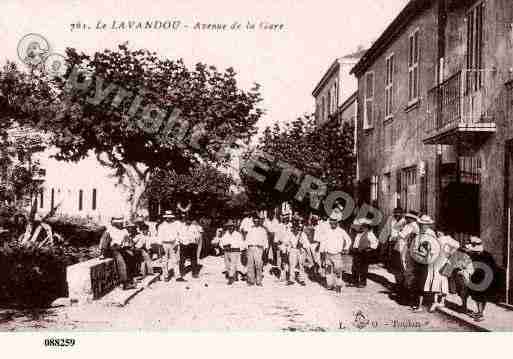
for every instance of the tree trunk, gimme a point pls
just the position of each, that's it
(137, 190)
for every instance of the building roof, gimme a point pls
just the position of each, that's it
(407, 14)
(348, 102)
(354, 57)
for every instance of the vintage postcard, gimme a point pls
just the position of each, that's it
(255, 166)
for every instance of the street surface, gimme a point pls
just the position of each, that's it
(208, 303)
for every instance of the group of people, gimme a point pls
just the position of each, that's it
(295, 247)
(427, 263)
(135, 245)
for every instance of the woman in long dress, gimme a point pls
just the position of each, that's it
(436, 283)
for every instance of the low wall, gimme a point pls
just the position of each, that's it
(91, 279)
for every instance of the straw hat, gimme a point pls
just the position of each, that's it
(168, 214)
(425, 219)
(412, 215)
(336, 216)
(475, 244)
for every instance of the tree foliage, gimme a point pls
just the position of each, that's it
(325, 152)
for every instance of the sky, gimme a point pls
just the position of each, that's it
(287, 63)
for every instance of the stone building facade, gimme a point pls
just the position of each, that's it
(434, 112)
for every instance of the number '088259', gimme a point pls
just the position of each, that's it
(59, 342)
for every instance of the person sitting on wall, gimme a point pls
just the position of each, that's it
(111, 247)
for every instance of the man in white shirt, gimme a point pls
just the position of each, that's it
(189, 237)
(167, 236)
(232, 240)
(279, 239)
(364, 243)
(272, 225)
(111, 244)
(295, 241)
(256, 242)
(220, 241)
(335, 242)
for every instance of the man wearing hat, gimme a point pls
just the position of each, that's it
(233, 242)
(335, 242)
(389, 233)
(168, 236)
(402, 268)
(295, 241)
(482, 282)
(423, 251)
(256, 242)
(189, 238)
(280, 238)
(364, 243)
(111, 244)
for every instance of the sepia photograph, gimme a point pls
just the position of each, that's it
(255, 166)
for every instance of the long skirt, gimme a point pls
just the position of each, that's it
(435, 282)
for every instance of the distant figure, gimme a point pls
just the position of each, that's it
(364, 242)
(168, 236)
(256, 241)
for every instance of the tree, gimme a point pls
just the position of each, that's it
(325, 152)
(202, 180)
(139, 114)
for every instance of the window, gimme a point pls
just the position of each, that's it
(323, 109)
(80, 200)
(374, 189)
(93, 201)
(329, 102)
(41, 198)
(474, 21)
(389, 86)
(335, 96)
(369, 101)
(413, 67)
(407, 185)
(52, 199)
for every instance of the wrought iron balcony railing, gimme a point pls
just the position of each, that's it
(458, 101)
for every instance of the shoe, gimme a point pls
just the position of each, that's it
(260, 285)
(250, 284)
(195, 276)
(167, 279)
(180, 279)
(339, 289)
(289, 282)
(417, 310)
(478, 317)
(350, 285)
(433, 307)
(302, 283)
(230, 281)
(129, 286)
(361, 285)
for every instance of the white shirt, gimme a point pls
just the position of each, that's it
(168, 232)
(272, 226)
(189, 234)
(280, 236)
(246, 224)
(373, 241)
(335, 241)
(142, 241)
(117, 236)
(234, 240)
(257, 236)
(320, 228)
(292, 240)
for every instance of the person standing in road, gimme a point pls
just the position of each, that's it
(389, 234)
(234, 242)
(335, 242)
(295, 241)
(168, 233)
(256, 242)
(280, 238)
(403, 265)
(423, 251)
(364, 242)
(189, 237)
(272, 225)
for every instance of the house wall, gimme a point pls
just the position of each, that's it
(396, 143)
(67, 179)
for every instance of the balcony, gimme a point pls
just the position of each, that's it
(457, 111)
